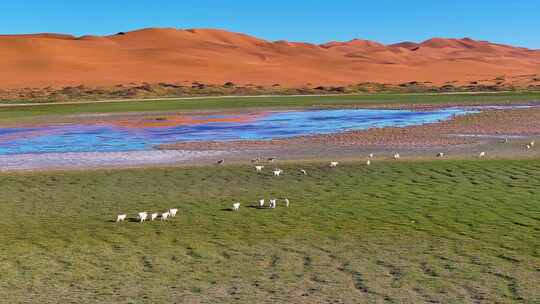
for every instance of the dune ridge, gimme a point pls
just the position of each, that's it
(216, 56)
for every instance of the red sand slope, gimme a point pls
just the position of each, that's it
(215, 56)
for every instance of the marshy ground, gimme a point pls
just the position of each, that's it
(394, 232)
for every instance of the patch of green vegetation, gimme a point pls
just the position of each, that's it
(445, 231)
(13, 113)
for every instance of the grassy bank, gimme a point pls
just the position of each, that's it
(446, 231)
(14, 112)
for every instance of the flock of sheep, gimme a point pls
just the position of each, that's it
(143, 216)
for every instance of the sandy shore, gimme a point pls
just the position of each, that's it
(82, 160)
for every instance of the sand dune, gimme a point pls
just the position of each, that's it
(216, 56)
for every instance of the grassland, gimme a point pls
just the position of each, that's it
(394, 232)
(8, 113)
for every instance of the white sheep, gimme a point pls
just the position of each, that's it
(304, 172)
(235, 206)
(259, 168)
(173, 212)
(277, 172)
(397, 156)
(153, 216)
(368, 162)
(261, 203)
(482, 154)
(142, 216)
(273, 203)
(121, 217)
(286, 202)
(333, 164)
(165, 215)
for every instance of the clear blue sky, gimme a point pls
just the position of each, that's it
(387, 21)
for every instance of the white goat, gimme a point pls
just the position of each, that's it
(482, 154)
(397, 156)
(143, 216)
(304, 172)
(261, 203)
(333, 164)
(286, 202)
(531, 143)
(370, 155)
(528, 146)
(173, 212)
(165, 215)
(121, 217)
(259, 168)
(273, 203)
(235, 206)
(153, 216)
(440, 154)
(277, 172)
(368, 162)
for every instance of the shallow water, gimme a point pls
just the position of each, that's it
(138, 134)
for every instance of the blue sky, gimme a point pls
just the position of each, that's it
(512, 22)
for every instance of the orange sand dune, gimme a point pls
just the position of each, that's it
(215, 56)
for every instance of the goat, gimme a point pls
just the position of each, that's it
(173, 212)
(165, 216)
(528, 146)
(304, 172)
(220, 162)
(277, 172)
(235, 206)
(121, 217)
(261, 203)
(153, 216)
(370, 155)
(368, 162)
(397, 156)
(273, 203)
(286, 202)
(333, 164)
(143, 216)
(259, 168)
(482, 154)
(440, 155)
(531, 144)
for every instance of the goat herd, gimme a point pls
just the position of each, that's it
(272, 203)
(143, 216)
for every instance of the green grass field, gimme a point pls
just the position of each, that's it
(407, 232)
(16, 113)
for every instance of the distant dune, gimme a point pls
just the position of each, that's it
(216, 56)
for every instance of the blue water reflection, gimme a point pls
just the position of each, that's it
(112, 136)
